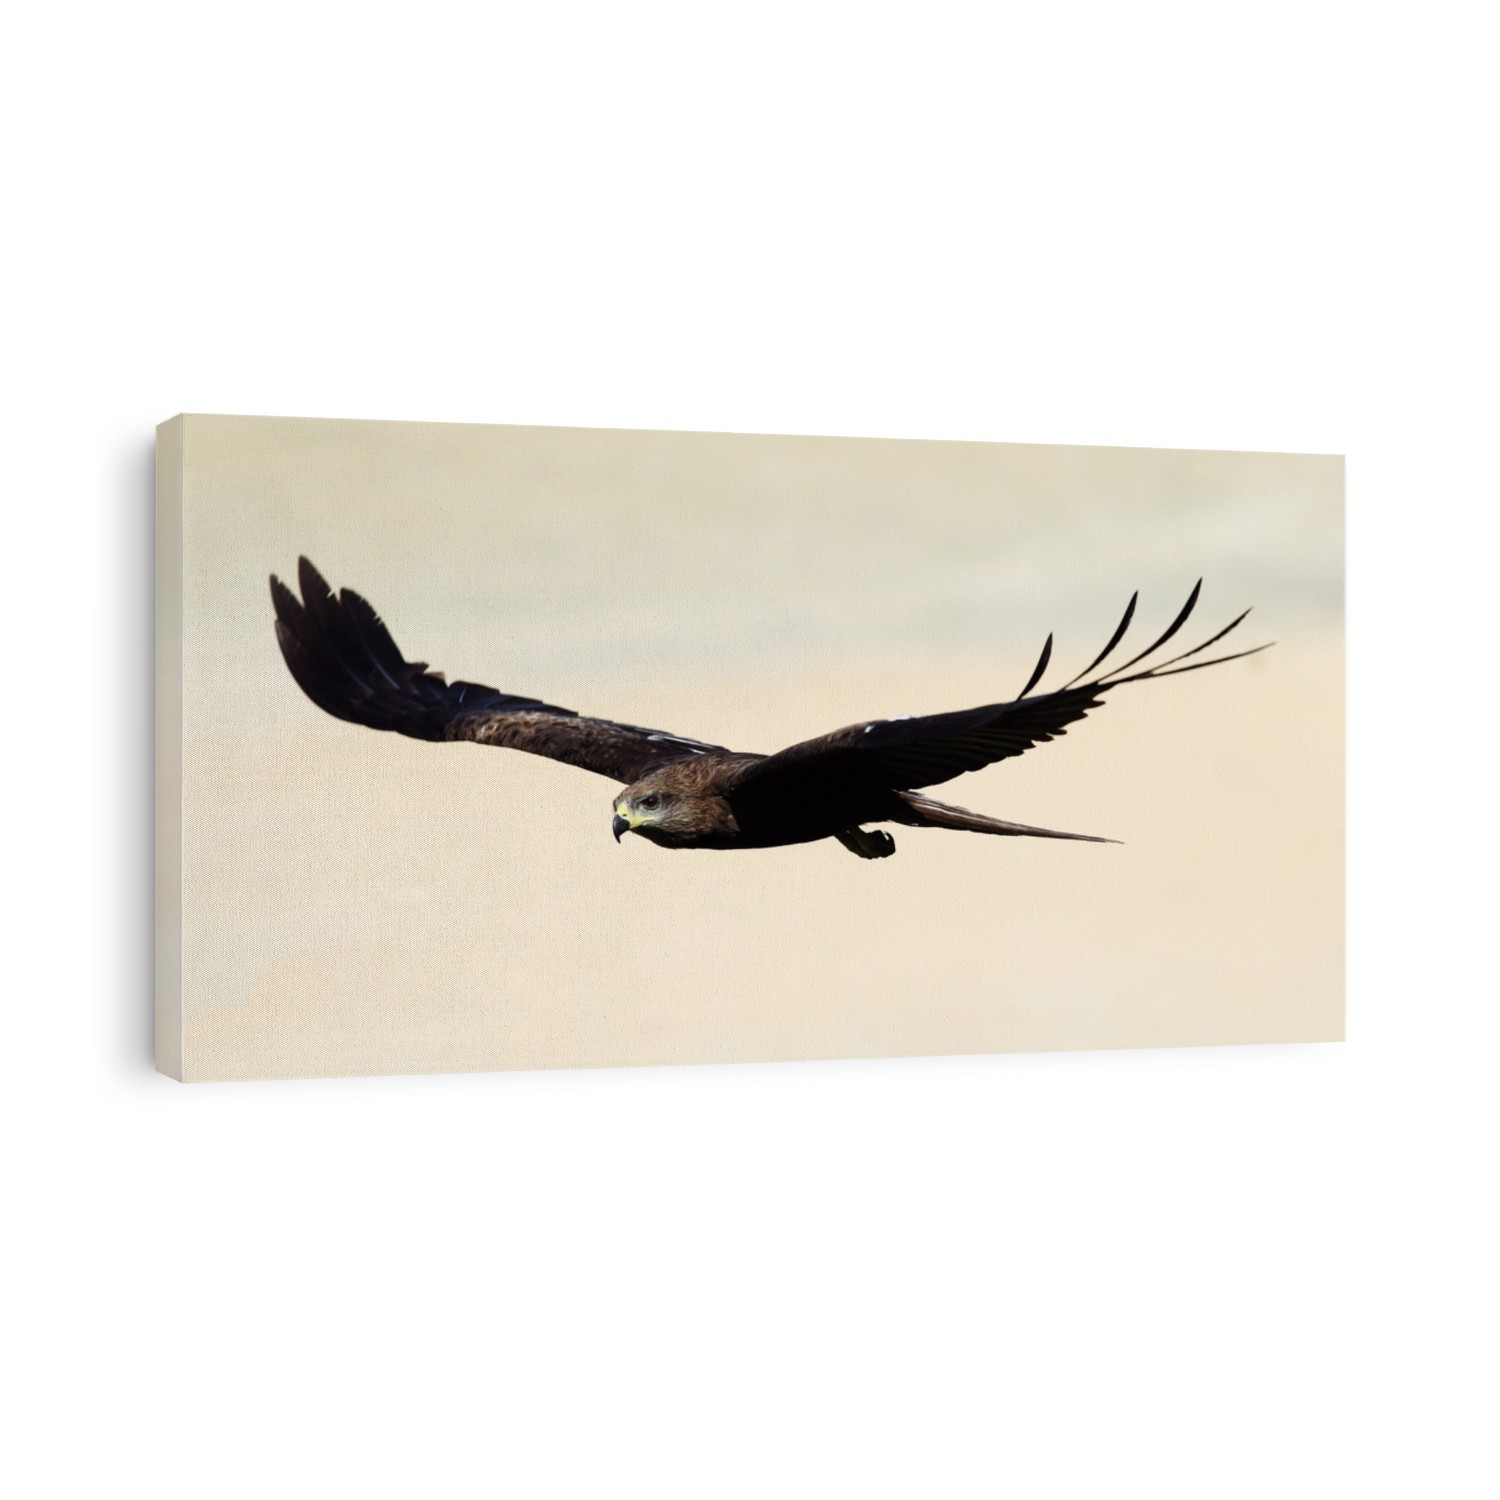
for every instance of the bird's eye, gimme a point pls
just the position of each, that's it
(649, 803)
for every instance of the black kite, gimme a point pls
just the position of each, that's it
(681, 793)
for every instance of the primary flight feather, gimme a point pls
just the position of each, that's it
(682, 793)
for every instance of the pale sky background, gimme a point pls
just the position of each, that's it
(357, 902)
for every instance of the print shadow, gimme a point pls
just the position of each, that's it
(131, 655)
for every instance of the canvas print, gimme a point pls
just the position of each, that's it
(967, 747)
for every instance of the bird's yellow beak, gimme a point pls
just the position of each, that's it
(620, 826)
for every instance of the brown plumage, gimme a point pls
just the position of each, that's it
(685, 794)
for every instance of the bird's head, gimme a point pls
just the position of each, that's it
(658, 813)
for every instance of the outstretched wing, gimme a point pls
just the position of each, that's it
(344, 659)
(903, 754)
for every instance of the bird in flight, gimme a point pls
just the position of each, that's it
(683, 794)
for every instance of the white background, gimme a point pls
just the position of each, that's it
(1238, 1272)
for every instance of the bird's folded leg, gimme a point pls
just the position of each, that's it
(868, 843)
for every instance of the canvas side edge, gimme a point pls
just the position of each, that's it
(1343, 465)
(170, 467)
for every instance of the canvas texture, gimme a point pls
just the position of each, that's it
(337, 900)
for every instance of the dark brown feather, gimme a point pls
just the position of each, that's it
(343, 657)
(904, 754)
(1036, 671)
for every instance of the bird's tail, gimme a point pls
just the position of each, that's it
(930, 813)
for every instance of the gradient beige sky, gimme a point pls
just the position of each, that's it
(356, 902)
